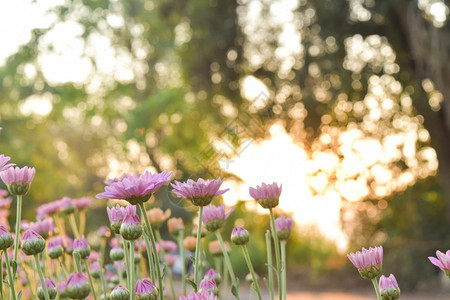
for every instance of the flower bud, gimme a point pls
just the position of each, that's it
(77, 286)
(202, 231)
(6, 239)
(175, 226)
(267, 195)
(116, 253)
(51, 288)
(66, 206)
(120, 293)
(156, 217)
(32, 243)
(116, 215)
(190, 243)
(95, 270)
(213, 274)
(389, 288)
(216, 250)
(283, 226)
(208, 285)
(239, 236)
(61, 288)
(145, 290)
(368, 262)
(54, 249)
(249, 278)
(81, 247)
(131, 228)
(104, 232)
(214, 216)
(18, 180)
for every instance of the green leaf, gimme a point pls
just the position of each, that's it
(270, 266)
(235, 290)
(192, 283)
(14, 266)
(193, 259)
(19, 295)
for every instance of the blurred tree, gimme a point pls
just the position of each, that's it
(116, 86)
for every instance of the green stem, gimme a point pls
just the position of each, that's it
(18, 218)
(132, 294)
(41, 277)
(269, 264)
(127, 262)
(1, 274)
(149, 232)
(73, 224)
(82, 221)
(151, 264)
(252, 271)
(277, 255)
(227, 262)
(182, 257)
(102, 278)
(102, 251)
(218, 268)
(197, 248)
(163, 257)
(377, 288)
(10, 277)
(283, 267)
(62, 267)
(91, 282)
(77, 259)
(225, 279)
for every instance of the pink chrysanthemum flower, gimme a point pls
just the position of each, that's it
(389, 287)
(6, 239)
(32, 243)
(47, 209)
(283, 226)
(368, 262)
(169, 246)
(240, 236)
(3, 162)
(215, 216)
(135, 188)
(82, 203)
(442, 261)
(145, 289)
(81, 247)
(77, 286)
(213, 274)
(51, 289)
(131, 228)
(18, 180)
(267, 195)
(43, 227)
(115, 216)
(208, 285)
(199, 296)
(5, 203)
(200, 193)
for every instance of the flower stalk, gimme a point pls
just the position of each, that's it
(252, 271)
(182, 256)
(131, 271)
(283, 268)
(163, 256)
(10, 277)
(269, 264)
(17, 232)
(197, 247)
(277, 254)
(149, 232)
(41, 277)
(377, 288)
(91, 282)
(228, 263)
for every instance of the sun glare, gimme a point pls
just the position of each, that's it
(279, 160)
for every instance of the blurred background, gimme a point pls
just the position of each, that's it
(344, 102)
